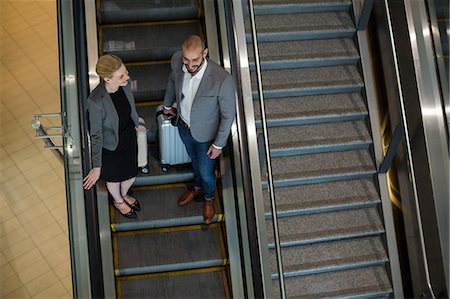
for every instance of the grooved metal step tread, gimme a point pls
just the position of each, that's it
(169, 249)
(283, 27)
(323, 164)
(315, 228)
(329, 256)
(308, 53)
(145, 85)
(310, 109)
(292, 139)
(291, 6)
(209, 283)
(122, 11)
(147, 42)
(323, 197)
(368, 282)
(160, 209)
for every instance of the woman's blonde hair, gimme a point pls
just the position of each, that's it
(107, 65)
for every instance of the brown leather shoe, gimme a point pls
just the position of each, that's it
(208, 211)
(189, 195)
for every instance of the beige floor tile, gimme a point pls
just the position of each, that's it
(38, 170)
(66, 296)
(6, 272)
(3, 261)
(62, 270)
(6, 214)
(67, 282)
(53, 245)
(9, 285)
(50, 190)
(30, 273)
(14, 140)
(9, 225)
(29, 163)
(14, 183)
(20, 293)
(12, 239)
(59, 256)
(20, 248)
(55, 200)
(50, 178)
(9, 173)
(41, 283)
(28, 259)
(39, 223)
(46, 234)
(24, 153)
(54, 291)
(39, 212)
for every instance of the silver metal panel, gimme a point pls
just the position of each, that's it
(72, 154)
(253, 148)
(211, 30)
(374, 117)
(433, 118)
(91, 41)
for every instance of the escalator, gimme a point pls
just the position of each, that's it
(328, 196)
(167, 252)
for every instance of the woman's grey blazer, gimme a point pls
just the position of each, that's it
(214, 105)
(104, 121)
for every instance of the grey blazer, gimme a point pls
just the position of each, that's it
(104, 121)
(214, 105)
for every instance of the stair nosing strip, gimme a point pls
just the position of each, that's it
(272, 64)
(315, 149)
(305, 91)
(374, 294)
(333, 268)
(328, 239)
(322, 209)
(264, 9)
(169, 267)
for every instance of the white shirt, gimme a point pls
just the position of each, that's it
(189, 90)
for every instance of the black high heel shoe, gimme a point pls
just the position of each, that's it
(131, 214)
(133, 204)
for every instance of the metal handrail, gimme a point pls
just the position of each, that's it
(267, 152)
(392, 149)
(409, 152)
(41, 133)
(365, 15)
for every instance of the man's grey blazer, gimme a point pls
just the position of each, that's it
(104, 121)
(214, 106)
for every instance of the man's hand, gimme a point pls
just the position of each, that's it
(213, 152)
(172, 111)
(91, 178)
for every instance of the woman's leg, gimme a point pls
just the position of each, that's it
(125, 186)
(119, 203)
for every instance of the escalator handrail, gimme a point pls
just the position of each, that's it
(267, 151)
(408, 149)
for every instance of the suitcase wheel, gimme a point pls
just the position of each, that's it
(165, 167)
(144, 169)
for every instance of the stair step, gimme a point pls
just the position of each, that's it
(311, 109)
(284, 27)
(308, 53)
(125, 11)
(145, 85)
(169, 249)
(329, 256)
(292, 168)
(147, 41)
(308, 199)
(315, 228)
(290, 6)
(177, 285)
(368, 282)
(160, 209)
(308, 81)
(315, 138)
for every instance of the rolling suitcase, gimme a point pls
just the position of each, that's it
(172, 150)
(142, 156)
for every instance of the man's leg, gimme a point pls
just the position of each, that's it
(206, 169)
(190, 144)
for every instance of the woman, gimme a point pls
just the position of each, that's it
(113, 121)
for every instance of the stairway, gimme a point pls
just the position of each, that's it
(329, 208)
(166, 252)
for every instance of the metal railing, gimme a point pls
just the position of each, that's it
(267, 151)
(43, 133)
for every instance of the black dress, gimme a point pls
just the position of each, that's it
(121, 164)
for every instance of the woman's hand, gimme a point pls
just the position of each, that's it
(91, 178)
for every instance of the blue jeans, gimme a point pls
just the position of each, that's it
(202, 164)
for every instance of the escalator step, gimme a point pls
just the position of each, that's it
(125, 11)
(149, 81)
(309, 81)
(308, 53)
(169, 249)
(329, 256)
(368, 282)
(314, 198)
(316, 228)
(292, 6)
(207, 283)
(311, 109)
(147, 42)
(160, 209)
(285, 27)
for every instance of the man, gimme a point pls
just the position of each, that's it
(206, 106)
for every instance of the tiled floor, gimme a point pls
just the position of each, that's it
(34, 249)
